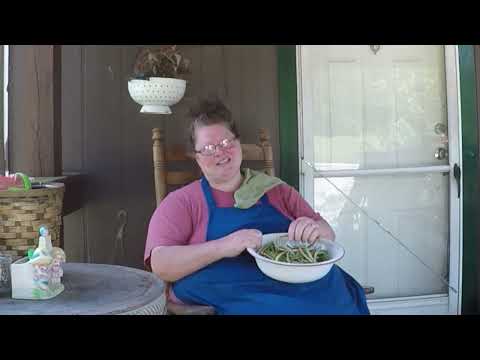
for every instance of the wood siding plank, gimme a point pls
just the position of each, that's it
(35, 110)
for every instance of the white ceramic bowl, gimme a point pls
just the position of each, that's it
(157, 94)
(297, 273)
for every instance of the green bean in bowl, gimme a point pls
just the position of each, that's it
(295, 262)
(300, 254)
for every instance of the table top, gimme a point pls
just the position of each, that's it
(96, 289)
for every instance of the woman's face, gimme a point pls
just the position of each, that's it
(224, 164)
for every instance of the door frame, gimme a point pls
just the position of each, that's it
(290, 156)
(470, 177)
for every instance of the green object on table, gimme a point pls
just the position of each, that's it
(27, 185)
(30, 253)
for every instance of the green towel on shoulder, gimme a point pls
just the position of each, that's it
(254, 186)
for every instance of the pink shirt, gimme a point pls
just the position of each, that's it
(182, 217)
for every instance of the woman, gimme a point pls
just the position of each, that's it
(198, 235)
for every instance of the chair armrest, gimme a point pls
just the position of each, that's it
(181, 309)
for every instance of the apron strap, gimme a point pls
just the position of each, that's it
(264, 200)
(207, 191)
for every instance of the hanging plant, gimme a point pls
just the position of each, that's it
(158, 79)
(166, 62)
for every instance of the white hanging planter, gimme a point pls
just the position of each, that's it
(157, 94)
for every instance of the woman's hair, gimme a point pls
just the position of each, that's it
(210, 112)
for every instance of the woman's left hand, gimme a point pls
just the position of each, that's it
(305, 229)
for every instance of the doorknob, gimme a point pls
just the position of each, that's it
(441, 153)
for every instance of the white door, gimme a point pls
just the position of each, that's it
(380, 124)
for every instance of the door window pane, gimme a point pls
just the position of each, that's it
(371, 111)
(414, 207)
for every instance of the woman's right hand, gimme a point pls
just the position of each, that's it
(234, 244)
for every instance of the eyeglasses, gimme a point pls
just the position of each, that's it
(210, 149)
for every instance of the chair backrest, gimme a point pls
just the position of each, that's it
(164, 155)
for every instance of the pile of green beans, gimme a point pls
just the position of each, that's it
(301, 254)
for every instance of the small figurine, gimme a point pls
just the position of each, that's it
(44, 244)
(38, 276)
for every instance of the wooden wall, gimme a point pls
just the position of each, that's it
(106, 137)
(34, 110)
(2, 84)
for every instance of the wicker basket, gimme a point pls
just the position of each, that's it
(23, 212)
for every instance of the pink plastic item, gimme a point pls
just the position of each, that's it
(11, 181)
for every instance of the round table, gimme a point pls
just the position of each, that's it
(96, 289)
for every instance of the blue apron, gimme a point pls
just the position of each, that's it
(235, 286)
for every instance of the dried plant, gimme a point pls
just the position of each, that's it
(165, 61)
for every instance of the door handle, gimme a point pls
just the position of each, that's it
(457, 174)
